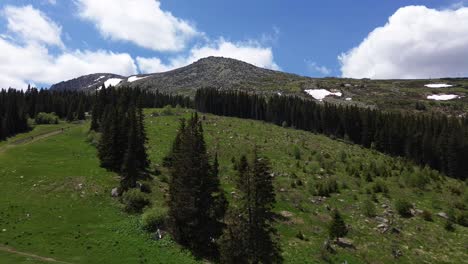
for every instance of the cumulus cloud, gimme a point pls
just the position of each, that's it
(29, 60)
(141, 22)
(32, 25)
(32, 63)
(416, 42)
(251, 52)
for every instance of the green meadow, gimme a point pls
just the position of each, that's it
(55, 200)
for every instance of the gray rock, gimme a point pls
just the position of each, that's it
(115, 192)
(345, 243)
(443, 215)
(381, 219)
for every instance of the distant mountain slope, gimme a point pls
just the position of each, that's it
(225, 73)
(86, 82)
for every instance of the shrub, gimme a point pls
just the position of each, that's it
(297, 153)
(417, 179)
(301, 236)
(134, 201)
(427, 216)
(337, 227)
(93, 138)
(46, 118)
(167, 111)
(368, 208)
(380, 187)
(326, 187)
(449, 226)
(461, 217)
(154, 218)
(403, 207)
(145, 187)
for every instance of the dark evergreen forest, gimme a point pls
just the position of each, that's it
(435, 140)
(16, 107)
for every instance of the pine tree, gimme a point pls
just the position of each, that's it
(337, 226)
(141, 155)
(195, 199)
(130, 172)
(250, 236)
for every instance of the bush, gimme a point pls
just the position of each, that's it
(403, 208)
(449, 226)
(93, 138)
(301, 236)
(326, 187)
(368, 208)
(145, 187)
(427, 216)
(46, 118)
(380, 187)
(297, 153)
(154, 218)
(417, 179)
(167, 111)
(134, 201)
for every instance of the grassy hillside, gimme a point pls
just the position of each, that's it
(55, 200)
(55, 203)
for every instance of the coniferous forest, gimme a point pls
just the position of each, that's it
(435, 140)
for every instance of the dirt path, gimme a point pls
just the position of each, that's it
(32, 139)
(45, 259)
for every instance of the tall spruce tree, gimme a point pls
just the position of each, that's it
(250, 236)
(337, 227)
(196, 202)
(130, 171)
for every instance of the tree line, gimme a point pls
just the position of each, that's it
(435, 140)
(16, 106)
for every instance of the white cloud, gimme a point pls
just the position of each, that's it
(33, 63)
(31, 25)
(142, 22)
(315, 68)
(417, 42)
(29, 61)
(251, 52)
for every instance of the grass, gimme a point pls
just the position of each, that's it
(46, 212)
(322, 158)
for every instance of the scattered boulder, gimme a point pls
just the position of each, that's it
(115, 192)
(328, 247)
(345, 243)
(381, 219)
(443, 215)
(286, 214)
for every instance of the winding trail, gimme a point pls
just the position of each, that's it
(32, 139)
(37, 257)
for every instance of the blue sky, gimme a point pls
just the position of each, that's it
(303, 37)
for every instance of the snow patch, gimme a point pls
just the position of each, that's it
(112, 82)
(438, 85)
(100, 77)
(442, 97)
(320, 94)
(349, 99)
(135, 78)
